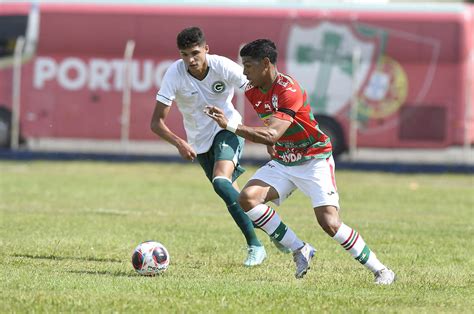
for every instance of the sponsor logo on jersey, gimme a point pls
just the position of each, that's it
(218, 87)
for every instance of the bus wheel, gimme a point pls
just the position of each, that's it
(5, 127)
(332, 129)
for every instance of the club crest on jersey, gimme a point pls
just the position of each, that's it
(275, 101)
(282, 82)
(218, 87)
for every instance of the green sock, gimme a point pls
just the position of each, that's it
(224, 188)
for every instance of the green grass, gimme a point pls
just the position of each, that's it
(67, 231)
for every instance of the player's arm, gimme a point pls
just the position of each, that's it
(159, 127)
(267, 135)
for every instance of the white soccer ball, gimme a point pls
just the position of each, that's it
(150, 258)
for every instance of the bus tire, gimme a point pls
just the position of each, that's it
(5, 127)
(333, 129)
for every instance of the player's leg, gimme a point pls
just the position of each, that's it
(225, 189)
(277, 244)
(268, 184)
(352, 241)
(227, 149)
(323, 192)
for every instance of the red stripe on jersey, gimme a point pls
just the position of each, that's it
(333, 176)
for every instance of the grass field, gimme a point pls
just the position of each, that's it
(68, 230)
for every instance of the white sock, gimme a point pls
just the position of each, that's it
(268, 220)
(351, 241)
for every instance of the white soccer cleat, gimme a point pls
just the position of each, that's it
(302, 258)
(255, 255)
(384, 277)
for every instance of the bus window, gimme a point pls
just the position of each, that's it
(11, 27)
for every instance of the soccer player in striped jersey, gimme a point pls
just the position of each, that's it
(194, 81)
(301, 159)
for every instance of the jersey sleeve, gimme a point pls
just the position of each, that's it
(169, 86)
(290, 100)
(234, 74)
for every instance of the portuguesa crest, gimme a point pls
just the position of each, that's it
(320, 58)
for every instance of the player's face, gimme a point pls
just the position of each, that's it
(255, 71)
(195, 58)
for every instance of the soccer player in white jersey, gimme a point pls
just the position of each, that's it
(195, 81)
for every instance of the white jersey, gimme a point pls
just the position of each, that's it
(193, 95)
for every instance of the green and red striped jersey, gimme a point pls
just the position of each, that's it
(286, 100)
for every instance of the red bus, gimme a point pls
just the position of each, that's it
(413, 84)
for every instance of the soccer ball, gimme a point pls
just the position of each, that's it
(150, 258)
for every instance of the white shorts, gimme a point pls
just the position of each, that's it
(315, 178)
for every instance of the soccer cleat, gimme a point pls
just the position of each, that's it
(280, 246)
(384, 277)
(302, 258)
(255, 255)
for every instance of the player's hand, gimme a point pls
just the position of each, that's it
(217, 115)
(186, 151)
(271, 150)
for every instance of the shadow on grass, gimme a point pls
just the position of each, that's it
(104, 273)
(60, 258)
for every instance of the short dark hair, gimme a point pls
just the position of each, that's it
(259, 49)
(190, 37)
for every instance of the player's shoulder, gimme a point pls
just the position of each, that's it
(286, 83)
(249, 88)
(218, 58)
(218, 61)
(177, 68)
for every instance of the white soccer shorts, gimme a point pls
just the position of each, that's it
(315, 178)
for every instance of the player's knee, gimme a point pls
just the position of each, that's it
(223, 187)
(247, 200)
(218, 185)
